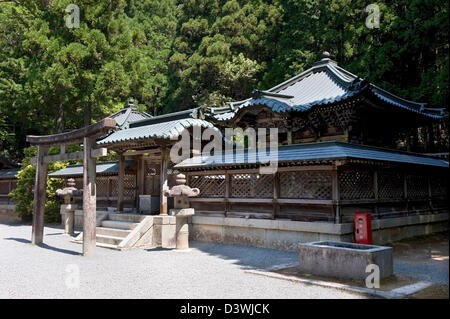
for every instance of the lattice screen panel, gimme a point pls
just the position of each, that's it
(4, 187)
(78, 182)
(114, 192)
(209, 185)
(102, 186)
(390, 185)
(151, 179)
(417, 186)
(439, 186)
(356, 184)
(129, 187)
(252, 185)
(305, 185)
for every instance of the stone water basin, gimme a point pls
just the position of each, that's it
(344, 260)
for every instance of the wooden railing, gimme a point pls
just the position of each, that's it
(318, 193)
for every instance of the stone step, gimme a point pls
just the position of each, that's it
(126, 217)
(122, 233)
(110, 240)
(119, 224)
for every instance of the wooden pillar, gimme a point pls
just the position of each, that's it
(108, 190)
(140, 175)
(89, 198)
(163, 181)
(120, 182)
(405, 192)
(336, 195)
(227, 192)
(375, 192)
(430, 194)
(276, 194)
(40, 185)
(289, 136)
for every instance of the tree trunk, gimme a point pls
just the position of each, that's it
(59, 119)
(87, 114)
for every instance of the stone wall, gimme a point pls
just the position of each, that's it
(287, 235)
(8, 215)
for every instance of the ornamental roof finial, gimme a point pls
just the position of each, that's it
(325, 55)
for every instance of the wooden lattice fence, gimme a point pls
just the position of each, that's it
(317, 194)
(390, 185)
(251, 185)
(209, 185)
(417, 186)
(356, 184)
(306, 185)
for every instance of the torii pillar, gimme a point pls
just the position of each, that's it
(87, 135)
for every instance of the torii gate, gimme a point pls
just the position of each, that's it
(87, 135)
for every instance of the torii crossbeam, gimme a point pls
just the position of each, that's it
(87, 135)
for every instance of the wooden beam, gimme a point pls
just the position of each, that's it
(120, 182)
(72, 137)
(143, 152)
(40, 185)
(324, 202)
(89, 199)
(98, 152)
(285, 201)
(163, 181)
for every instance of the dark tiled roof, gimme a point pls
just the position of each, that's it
(101, 169)
(323, 84)
(165, 126)
(127, 115)
(312, 152)
(9, 173)
(6, 162)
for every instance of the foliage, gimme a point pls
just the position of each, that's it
(23, 195)
(173, 55)
(53, 74)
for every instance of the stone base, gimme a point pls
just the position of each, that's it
(8, 215)
(164, 233)
(288, 235)
(344, 260)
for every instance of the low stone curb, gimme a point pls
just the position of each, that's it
(397, 293)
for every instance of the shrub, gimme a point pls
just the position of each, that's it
(23, 195)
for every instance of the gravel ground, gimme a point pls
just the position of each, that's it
(425, 258)
(207, 271)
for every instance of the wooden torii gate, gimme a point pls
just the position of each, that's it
(87, 135)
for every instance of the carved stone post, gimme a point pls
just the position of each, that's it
(181, 194)
(68, 208)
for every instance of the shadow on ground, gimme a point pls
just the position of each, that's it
(45, 246)
(246, 256)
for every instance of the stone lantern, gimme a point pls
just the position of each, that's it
(181, 210)
(68, 207)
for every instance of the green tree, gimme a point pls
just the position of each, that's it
(54, 74)
(214, 37)
(23, 195)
